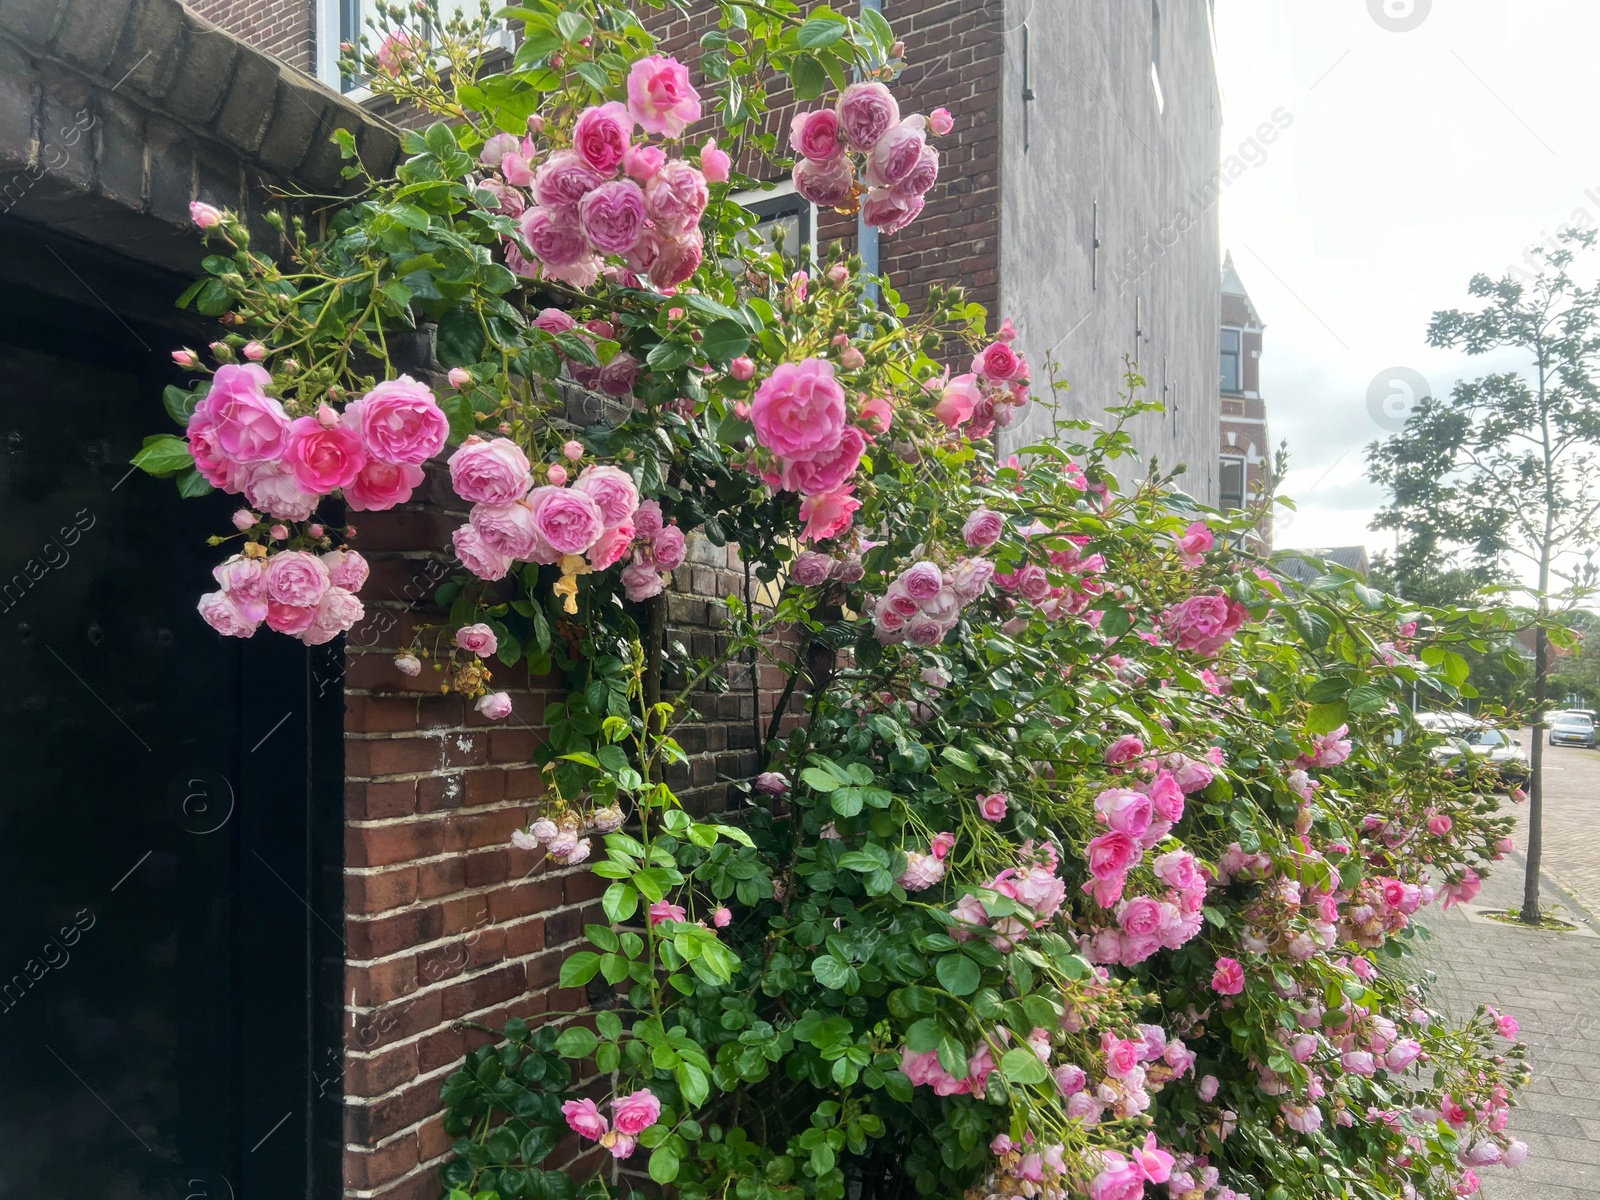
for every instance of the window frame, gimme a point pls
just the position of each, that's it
(1238, 361)
(1225, 462)
(782, 200)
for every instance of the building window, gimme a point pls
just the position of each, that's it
(1232, 363)
(1230, 484)
(781, 211)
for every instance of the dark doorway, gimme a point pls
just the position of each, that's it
(169, 799)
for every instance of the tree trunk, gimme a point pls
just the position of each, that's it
(1541, 692)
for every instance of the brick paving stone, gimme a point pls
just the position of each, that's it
(1571, 857)
(1551, 983)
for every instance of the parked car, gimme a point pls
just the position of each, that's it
(1497, 748)
(1572, 729)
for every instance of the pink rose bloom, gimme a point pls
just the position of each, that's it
(1193, 775)
(675, 197)
(1119, 1179)
(477, 639)
(663, 910)
(997, 362)
(742, 368)
(336, 612)
(613, 491)
(957, 400)
(940, 122)
(243, 578)
(922, 871)
(517, 170)
(1125, 749)
(568, 520)
(772, 783)
(478, 558)
(799, 409)
(667, 548)
(323, 457)
(983, 528)
(273, 489)
(877, 414)
(866, 112)
(647, 520)
(1111, 854)
(497, 148)
(204, 215)
(993, 806)
(496, 706)
(969, 577)
(812, 569)
(602, 135)
(715, 164)
(1228, 978)
(1125, 810)
(1193, 544)
(296, 577)
(1439, 824)
(585, 1119)
(1402, 1053)
(825, 184)
(642, 161)
(922, 581)
(490, 472)
(396, 50)
(890, 211)
(565, 178)
(509, 529)
(227, 615)
(640, 581)
(346, 569)
(660, 97)
(246, 424)
(612, 216)
(553, 320)
(942, 844)
(815, 135)
(399, 422)
(1178, 869)
(611, 547)
(828, 514)
(677, 259)
(379, 486)
(1166, 797)
(633, 1114)
(825, 470)
(555, 238)
(1204, 623)
(896, 153)
(215, 467)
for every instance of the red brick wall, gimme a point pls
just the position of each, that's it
(286, 28)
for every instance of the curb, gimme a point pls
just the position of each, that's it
(1581, 911)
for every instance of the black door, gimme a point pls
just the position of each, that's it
(168, 799)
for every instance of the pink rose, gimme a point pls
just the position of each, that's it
(922, 581)
(663, 910)
(1166, 797)
(204, 215)
(1125, 749)
(815, 135)
(612, 489)
(612, 216)
(675, 197)
(715, 164)
(214, 466)
(399, 422)
(890, 211)
(1125, 810)
(296, 577)
(824, 470)
(896, 153)
(940, 122)
(517, 170)
(812, 569)
(993, 807)
(826, 184)
(1140, 917)
(642, 161)
(509, 529)
(553, 320)
(336, 613)
(477, 639)
(667, 548)
(1204, 623)
(346, 569)
(497, 148)
(585, 1119)
(1178, 869)
(957, 400)
(1196, 540)
(323, 456)
(866, 112)
(380, 486)
(246, 424)
(647, 521)
(245, 581)
(983, 528)
(477, 557)
(567, 519)
(877, 414)
(969, 577)
(565, 178)
(640, 581)
(996, 362)
(799, 409)
(677, 260)
(660, 97)
(292, 619)
(556, 239)
(495, 706)
(227, 616)
(490, 472)
(828, 514)
(1111, 854)
(742, 368)
(611, 547)
(274, 490)
(602, 135)
(1228, 978)
(722, 918)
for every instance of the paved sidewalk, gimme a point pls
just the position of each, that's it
(1571, 856)
(1551, 983)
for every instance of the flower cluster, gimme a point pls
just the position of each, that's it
(864, 133)
(924, 602)
(606, 201)
(631, 1115)
(561, 836)
(987, 397)
(309, 596)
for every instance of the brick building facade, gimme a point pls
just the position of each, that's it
(1246, 448)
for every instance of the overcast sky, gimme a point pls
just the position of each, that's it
(1416, 158)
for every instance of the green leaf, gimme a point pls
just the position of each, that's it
(192, 484)
(180, 404)
(724, 340)
(663, 1164)
(1325, 718)
(959, 974)
(830, 972)
(1022, 1065)
(460, 339)
(163, 456)
(576, 1041)
(621, 901)
(808, 76)
(819, 780)
(579, 968)
(821, 31)
(463, 421)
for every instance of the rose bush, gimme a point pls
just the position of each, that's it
(1085, 870)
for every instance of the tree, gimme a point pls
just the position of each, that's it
(1502, 469)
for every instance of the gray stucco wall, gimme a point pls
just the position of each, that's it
(1094, 134)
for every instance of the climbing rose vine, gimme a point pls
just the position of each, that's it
(1093, 865)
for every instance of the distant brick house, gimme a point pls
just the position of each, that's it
(1246, 447)
(291, 881)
